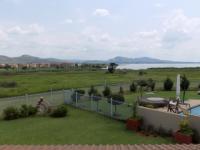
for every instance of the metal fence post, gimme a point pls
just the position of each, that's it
(76, 98)
(64, 95)
(51, 94)
(91, 99)
(111, 112)
(26, 99)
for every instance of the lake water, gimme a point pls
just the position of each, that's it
(147, 66)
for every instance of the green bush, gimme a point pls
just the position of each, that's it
(151, 84)
(60, 111)
(199, 86)
(32, 110)
(184, 127)
(92, 91)
(97, 97)
(121, 90)
(107, 92)
(141, 72)
(162, 132)
(82, 92)
(133, 87)
(117, 99)
(168, 84)
(24, 112)
(8, 84)
(11, 113)
(27, 110)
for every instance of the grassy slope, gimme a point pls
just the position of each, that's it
(43, 81)
(80, 127)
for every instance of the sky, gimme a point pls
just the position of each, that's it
(101, 29)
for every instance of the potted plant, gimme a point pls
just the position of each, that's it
(135, 122)
(185, 133)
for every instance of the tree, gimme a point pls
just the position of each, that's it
(141, 72)
(7, 67)
(151, 84)
(121, 90)
(112, 67)
(76, 95)
(185, 83)
(107, 92)
(141, 83)
(133, 87)
(24, 68)
(117, 99)
(92, 91)
(168, 84)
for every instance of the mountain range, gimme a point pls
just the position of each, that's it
(24, 59)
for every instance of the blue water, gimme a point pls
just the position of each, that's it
(195, 111)
(165, 65)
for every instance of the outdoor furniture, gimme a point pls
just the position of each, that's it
(173, 106)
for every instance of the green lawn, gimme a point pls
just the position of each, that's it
(80, 127)
(43, 81)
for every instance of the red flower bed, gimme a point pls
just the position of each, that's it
(133, 124)
(182, 138)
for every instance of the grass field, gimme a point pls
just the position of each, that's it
(80, 127)
(43, 81)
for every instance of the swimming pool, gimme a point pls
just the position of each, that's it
(195, 111)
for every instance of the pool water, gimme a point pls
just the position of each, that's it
(195, 111)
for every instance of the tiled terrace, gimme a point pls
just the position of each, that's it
(103, 147)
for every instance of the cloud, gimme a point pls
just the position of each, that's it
(176, 37)
(3, 35)
(178, 28)
(172, 39)
(81, 20)
(101, 12)
(23, 30)
(178, 21)
(159, 5)
(13, 1)
(68, 21)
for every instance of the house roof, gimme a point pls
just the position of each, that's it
(101, 147)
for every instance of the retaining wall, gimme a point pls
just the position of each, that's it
(166, 120)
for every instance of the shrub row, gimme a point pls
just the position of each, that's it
(6, 84)
(11, 113)
(60, 111)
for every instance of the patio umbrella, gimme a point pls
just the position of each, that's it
(178, 88)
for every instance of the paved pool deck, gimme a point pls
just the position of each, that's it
(192, 102)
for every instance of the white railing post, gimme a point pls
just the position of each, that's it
(111, 107)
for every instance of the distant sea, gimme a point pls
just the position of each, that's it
(165, 65)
